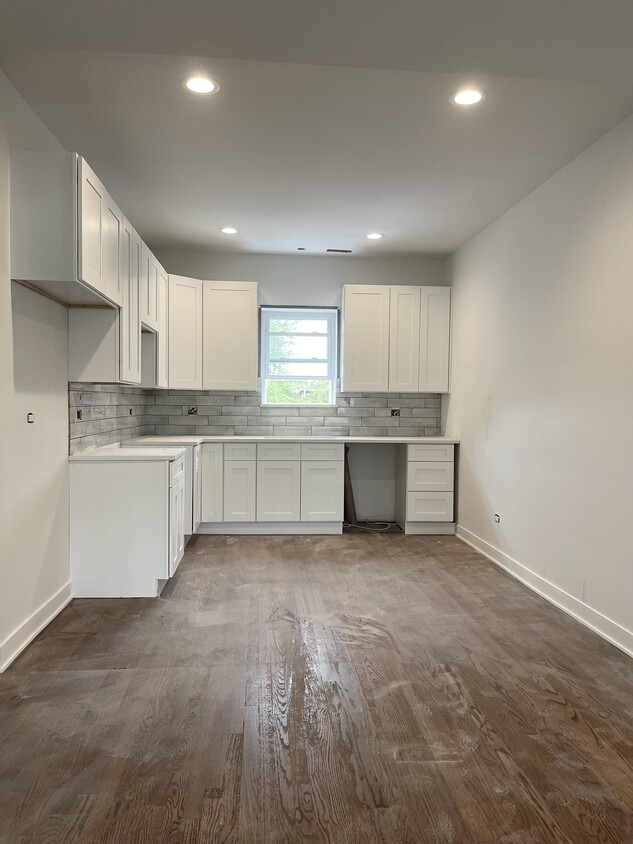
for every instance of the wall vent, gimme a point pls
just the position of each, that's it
(340, 251)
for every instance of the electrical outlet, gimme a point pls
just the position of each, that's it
(130, 411)
(395, 411)
(79, 415)
(192, 411)
(497, 518)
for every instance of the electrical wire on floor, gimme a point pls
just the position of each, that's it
(372, 527)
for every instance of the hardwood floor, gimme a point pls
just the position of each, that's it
(349, 690)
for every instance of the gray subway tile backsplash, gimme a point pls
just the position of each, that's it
(106, 418)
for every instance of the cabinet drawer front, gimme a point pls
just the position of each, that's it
(429, 506)
(278, 451)
(176, 470)
(431, 476)
(432, 451)
(239, 451)
(322, 451)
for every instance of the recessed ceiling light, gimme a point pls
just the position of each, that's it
(374, 236)
(201, 85)
(468, 96)
(228, 230)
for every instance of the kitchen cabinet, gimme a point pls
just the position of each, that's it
(230, 348)
(196, 504)
(126, 521)
(322, 483)
(240, 490)
(365, 346)
(404, 339)
(184, 352)
(212, 482)
(129, 318)
(100, 235)
(396, 339)
(435, 327)
(176, 515)
(425, 488)
(66, 230)
(278, 490)
(150, 269)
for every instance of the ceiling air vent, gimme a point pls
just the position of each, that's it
(340, 251)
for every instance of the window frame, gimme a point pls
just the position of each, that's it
(331, 315)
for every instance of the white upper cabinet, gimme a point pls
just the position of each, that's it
(230, 335)
(130, 327)
(365, 361)
(396, 339)
(404, 339)
(185, 333)
(100, 225)
(435, 331)
(150, 269)
(162, 332)
(66, 230)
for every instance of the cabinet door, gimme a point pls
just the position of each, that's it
(365, 364)
(230, 335)
(130, 328)
(111, 239)
(185, 333)
(239, 490)
(162, 332)
(435, 326)
(176, 525)
(211, 482)
(92, 197)
(149, 289)
(278, 490)
(404, 339)
(322, 490)
(197, 488)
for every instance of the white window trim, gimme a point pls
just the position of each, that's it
(329, 314)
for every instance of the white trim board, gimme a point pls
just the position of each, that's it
(23, 635)
(586, 615)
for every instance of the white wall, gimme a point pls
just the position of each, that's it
(542, 386)
(302, 279)
(34, 570)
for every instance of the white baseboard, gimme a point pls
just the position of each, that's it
(23, 635)
(591, 618)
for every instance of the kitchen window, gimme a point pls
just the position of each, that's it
(298, 356)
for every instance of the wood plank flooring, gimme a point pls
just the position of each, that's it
(344, 690)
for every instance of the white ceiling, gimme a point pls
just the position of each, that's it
(333, 119)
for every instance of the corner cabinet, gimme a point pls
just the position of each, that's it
(396, 338)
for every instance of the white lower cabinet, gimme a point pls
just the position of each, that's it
(278, 490)
(212, 482)
(176, 523)
(322, 490)
(127, 518)
(196, 504)
(425, 475)
(239, 490)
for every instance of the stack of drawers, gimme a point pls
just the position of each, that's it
(427, 475)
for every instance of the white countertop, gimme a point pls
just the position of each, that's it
(116, 454)
(194, 440)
